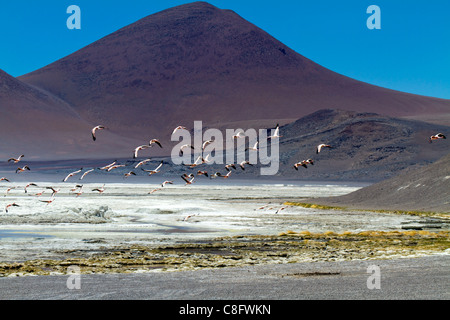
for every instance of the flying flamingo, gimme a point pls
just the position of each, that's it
(206, 159)
(227, 175)
(78, 187)
(19, 170)
(11, 205)
(199, 173)
(437, 136)
(155, 141)
(215, 175)
(54, 191)
(135, 154)
(276, 133)
(228, 166)
(197, 162)
(190, 216)
(28, 185)
(141, 163)
(15, 160)
(72, 174)
(206, 143)
(179, 128)
(99, 127)
(279, 210)
(100, 190)
(254, 148)
(153, 171)
(185, 178)
(85, 173)
(244, 163)
(185, 146)
(321, 146)
(218, 174)
(301, 163)
(39, 193)
(126, 175)
(108, 166)
(115, 167)
(166, 182)
(239, 135)
(8, 190)
(52, 198)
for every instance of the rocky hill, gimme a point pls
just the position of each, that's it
(422, 189)
(365, 146)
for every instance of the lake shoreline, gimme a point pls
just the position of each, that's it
(239, 251)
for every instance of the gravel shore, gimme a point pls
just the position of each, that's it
(420, 278)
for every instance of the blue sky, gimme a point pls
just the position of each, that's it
(411, 51)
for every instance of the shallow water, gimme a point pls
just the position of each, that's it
(126, 213)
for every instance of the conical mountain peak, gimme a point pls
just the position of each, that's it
(198, 62)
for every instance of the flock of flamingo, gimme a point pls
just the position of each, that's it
(187, 178)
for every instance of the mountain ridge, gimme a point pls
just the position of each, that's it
(199, 62)
(187, 63)
(364, 144)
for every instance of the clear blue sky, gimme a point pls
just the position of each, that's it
(411, 51)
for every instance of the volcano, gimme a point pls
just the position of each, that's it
(199, 62)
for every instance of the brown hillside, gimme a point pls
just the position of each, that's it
(422, 189)
(41, 126)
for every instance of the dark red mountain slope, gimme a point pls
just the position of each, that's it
(199, 62)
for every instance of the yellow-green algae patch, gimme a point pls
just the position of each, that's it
(286, 247)
(444, 215)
